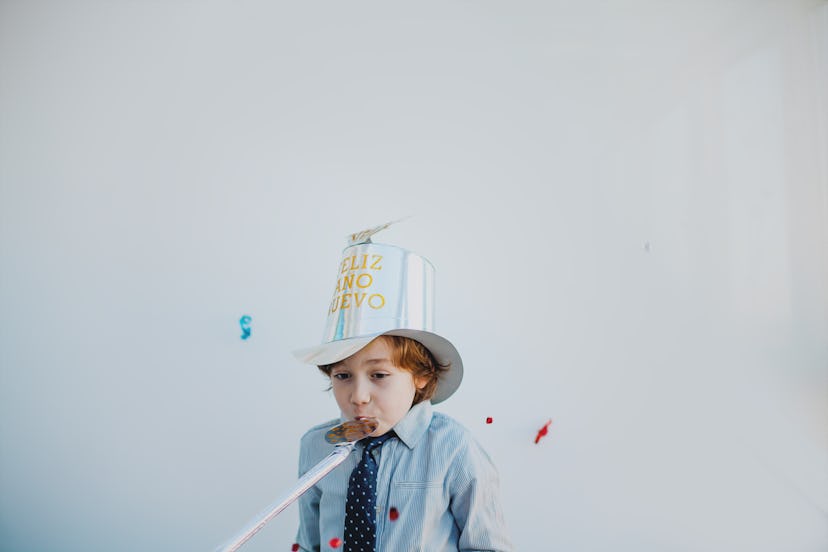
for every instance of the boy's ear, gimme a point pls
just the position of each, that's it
(420, 382)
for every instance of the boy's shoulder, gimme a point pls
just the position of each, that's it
(443, 428)
(444, 422)
(451, 439)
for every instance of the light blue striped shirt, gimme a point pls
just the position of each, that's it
(435, 475)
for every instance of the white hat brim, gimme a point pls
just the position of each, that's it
(442, 349)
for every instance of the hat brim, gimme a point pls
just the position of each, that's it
(442, 349)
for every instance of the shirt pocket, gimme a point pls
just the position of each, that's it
(423, 508)
(414, 485)
(423, 496)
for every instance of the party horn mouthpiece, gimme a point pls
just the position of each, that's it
(352, 430)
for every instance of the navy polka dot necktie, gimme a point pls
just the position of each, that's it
(360, 506)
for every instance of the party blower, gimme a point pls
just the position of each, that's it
(344, 436)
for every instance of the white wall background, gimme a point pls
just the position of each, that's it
(626, 201)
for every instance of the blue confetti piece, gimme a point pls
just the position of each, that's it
(244, 321)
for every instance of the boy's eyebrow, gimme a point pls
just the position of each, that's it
(379, 360)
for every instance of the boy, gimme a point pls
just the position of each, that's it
(419, 482)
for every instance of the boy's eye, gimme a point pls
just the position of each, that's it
(380, 375)
(341, 376)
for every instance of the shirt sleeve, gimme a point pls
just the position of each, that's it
(308, 535)
(475, 502)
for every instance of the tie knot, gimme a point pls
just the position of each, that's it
(376, 442)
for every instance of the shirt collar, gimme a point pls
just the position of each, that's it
(414, 424)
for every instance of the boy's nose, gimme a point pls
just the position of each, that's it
(361, 394)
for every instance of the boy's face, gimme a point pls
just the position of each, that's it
(367, 384)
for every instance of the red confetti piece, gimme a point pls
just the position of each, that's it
(335, 542)
(543, 431)
(295, 547)
(393, 514)
(489, 420)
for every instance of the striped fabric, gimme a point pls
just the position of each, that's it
(433, 475)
